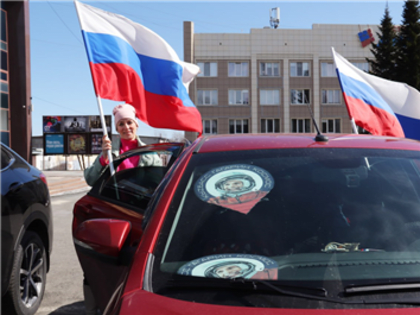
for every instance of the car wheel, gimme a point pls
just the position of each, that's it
(28, 278)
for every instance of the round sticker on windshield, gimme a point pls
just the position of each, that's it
(229, 266)
(237, 187)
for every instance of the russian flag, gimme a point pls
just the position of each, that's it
(380, 106)
(131, 63)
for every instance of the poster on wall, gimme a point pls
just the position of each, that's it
(54, 144)
(95, 124)
(77, 144)
(51, 124)
(75, 123)
(96, 143)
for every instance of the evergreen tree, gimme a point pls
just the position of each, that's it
(408, 45)
(384, 51)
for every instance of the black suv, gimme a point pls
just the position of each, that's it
(26, 234)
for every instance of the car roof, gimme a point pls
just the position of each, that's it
(238, 142)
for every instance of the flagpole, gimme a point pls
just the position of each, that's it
(104, 128)
(98, 98)
(353, 125)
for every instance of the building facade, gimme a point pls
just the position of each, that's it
(270, 79)
(15, 80)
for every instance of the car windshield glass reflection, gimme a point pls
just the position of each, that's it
(305, 215)
(135, 185)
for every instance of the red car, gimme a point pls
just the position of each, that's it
(257, 224)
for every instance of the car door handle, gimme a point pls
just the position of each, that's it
(15, 187)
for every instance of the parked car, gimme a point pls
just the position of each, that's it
(26, 234)
(257, 224)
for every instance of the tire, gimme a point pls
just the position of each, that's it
(28, 278)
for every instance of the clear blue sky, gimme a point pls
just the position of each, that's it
(61, 81)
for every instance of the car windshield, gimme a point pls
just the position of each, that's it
(331, 218)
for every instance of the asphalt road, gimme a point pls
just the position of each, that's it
(63, 294)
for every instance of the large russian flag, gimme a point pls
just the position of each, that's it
(380, 106)
(131, 63)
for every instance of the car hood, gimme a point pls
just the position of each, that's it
(143, 302)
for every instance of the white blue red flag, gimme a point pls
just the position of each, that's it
(131, 63)
(380, 106)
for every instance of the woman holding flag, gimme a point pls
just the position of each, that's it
(126, 125)
(127, 63)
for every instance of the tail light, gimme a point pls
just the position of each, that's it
(43, 178)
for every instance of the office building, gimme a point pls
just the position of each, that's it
(268, 80)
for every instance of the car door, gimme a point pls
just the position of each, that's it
(14, 207)
(123, 195)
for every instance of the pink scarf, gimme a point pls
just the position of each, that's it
(127, 145)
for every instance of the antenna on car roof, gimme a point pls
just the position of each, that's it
(319, 136)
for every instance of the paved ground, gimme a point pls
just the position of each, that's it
(65, 182)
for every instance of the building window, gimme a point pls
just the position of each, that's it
(3, 23)
(4, 100)
(208, 69)
(238, 126)
(269, 97)
(238, 97)
(327, 69)
(269, 69)
(331, 125)
(5, 138)
(331, 97)
(299, 97)
(238, 69)
(3, 60)
(361, 65)
(270, 125)
(299, 69)
(207, 97)
(4, 87)
(210, 126)
(4, 119)
(301, 125)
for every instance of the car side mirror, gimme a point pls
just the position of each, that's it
(105, 236)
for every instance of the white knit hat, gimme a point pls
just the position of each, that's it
(124, 111)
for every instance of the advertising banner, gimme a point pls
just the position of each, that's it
(74, 134)
(75, 124)
(95, 124)
(51, 124)
(96, 143)
(54, 144)
(77, 144)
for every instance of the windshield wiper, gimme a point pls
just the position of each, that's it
(381, 287)
(406, 286)
(314, 293)
(377, 288)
